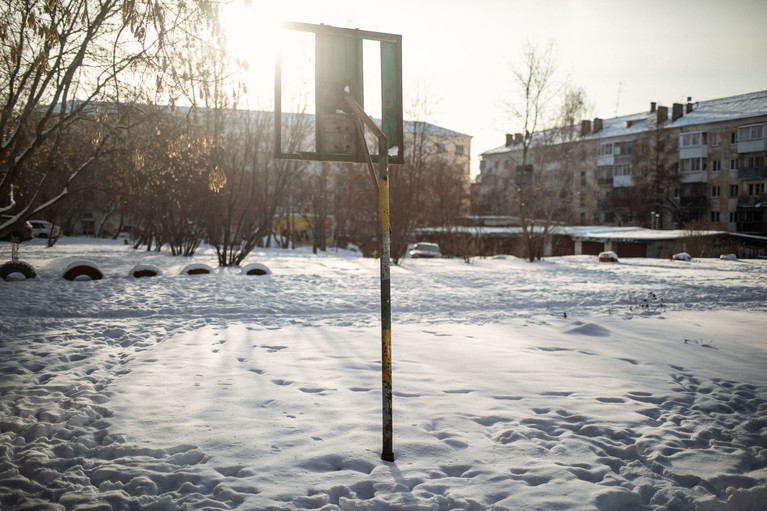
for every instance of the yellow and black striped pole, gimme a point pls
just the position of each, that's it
(382, 182)
(383, 209)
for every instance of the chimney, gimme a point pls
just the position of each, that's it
(585, 128)
(517, 138)
(597, 126)
(509, 139)
(676, 112)
(688, 108)
(652, 107)
(662, 114)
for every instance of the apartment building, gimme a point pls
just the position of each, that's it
(699, 163)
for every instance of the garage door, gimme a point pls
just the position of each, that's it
(592, 247)
(562, 245)
(632, 250)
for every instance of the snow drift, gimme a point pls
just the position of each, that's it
(553, 385)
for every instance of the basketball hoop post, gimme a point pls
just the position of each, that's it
(339, 114)
(387, 452)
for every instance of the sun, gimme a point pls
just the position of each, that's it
(256, 34)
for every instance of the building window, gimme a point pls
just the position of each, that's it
(87, 224)
(750, 162)
(716, 165)
(716, 140)
(459, 149)
(692, 164)
(624, 148)
(733, 190)
(734, 137)
(691, 139)
(715, 191)
(733, 164)
(733, 217)
(605, 149)
(756, 189)
(751, 133)
(441, 148)
(714, 216)
(622, 169)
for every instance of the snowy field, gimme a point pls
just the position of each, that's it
(524, 386)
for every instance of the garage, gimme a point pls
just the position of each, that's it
(592, 247)
(627, 249)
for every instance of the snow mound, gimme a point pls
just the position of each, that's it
(608, 257)
(590, 329)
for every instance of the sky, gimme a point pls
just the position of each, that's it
(461, 54)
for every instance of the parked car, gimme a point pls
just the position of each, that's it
(22, 230)
(424, 250)
(43, 229)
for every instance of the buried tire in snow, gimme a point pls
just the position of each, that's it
(256, 269)
(14, 267)
(79, 269)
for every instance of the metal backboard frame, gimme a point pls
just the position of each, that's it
(339, 71)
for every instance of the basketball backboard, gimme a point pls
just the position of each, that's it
(339, 70)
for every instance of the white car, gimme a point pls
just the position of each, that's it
(43, 229)
(423, 249)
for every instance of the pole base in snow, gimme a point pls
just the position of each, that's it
(387, 456)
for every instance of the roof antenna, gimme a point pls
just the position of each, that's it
(618, 101)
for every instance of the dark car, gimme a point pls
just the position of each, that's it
(22, 231)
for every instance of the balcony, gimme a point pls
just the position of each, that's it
(753, 201)
(693, 203)
(752, 146)
(752, 173)
(605, 204)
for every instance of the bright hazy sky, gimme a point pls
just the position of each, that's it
(623, 53)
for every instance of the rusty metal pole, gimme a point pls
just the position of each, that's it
(387, 453)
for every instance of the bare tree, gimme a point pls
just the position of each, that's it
(409, 183)
(255, 186)
(60, 60)
(314, 202)
(656, 205)
(355, 221)
(543, 178)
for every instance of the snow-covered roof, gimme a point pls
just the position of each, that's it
(430, 129)
(740, 107)
(407, 126)
(599, 233)
(733, 108)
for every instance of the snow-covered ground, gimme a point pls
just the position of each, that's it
(526, 386)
